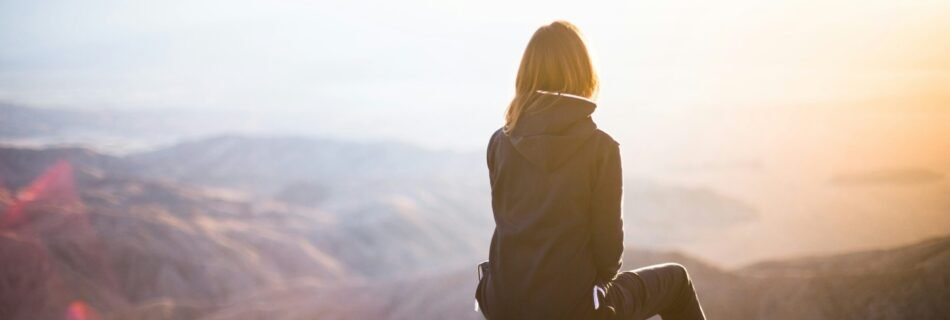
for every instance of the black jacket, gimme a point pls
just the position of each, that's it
(556, 195)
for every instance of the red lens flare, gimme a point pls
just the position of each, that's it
(79, 310)
(54, 185)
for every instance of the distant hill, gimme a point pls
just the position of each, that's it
(113, 130)
(270, 164)
(124, 242)
(19, 121)
(20, 166)
(888, 177)
(657, 213)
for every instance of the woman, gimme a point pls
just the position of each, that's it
(556, 195)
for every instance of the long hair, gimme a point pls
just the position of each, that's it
(555, 60)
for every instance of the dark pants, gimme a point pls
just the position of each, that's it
(663, 289)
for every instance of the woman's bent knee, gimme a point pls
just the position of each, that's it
(677, 269)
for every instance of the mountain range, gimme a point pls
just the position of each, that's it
(236, 227)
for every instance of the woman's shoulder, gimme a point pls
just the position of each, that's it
(496, 135)
(601, 137)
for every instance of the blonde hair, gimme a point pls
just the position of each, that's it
(555, 60)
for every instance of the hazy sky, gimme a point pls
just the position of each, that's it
(763, 101)
(439, 73)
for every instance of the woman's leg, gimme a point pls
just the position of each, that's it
(663, 289)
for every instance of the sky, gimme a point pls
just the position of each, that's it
(440, 73)
(763, 101)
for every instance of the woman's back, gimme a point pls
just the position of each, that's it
(556, 197)
(555, 180)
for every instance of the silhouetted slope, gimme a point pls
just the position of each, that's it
(888, 291)
(911, 282)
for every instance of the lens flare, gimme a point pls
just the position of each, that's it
(79, 310)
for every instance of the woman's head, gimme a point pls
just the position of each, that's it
(555, 60)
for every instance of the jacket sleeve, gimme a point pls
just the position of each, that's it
(490, 156)
(606, 220)
(490, 160)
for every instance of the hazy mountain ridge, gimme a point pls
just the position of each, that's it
(374, 247)
(151, 125)
(20, 121)
(19, 166)
(172, 246)
(380, 186)
(657, 213)
(266, 164)
(888, 176)
(416, 219)
(357, 176)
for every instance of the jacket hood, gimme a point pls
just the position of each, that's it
(553, 128)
